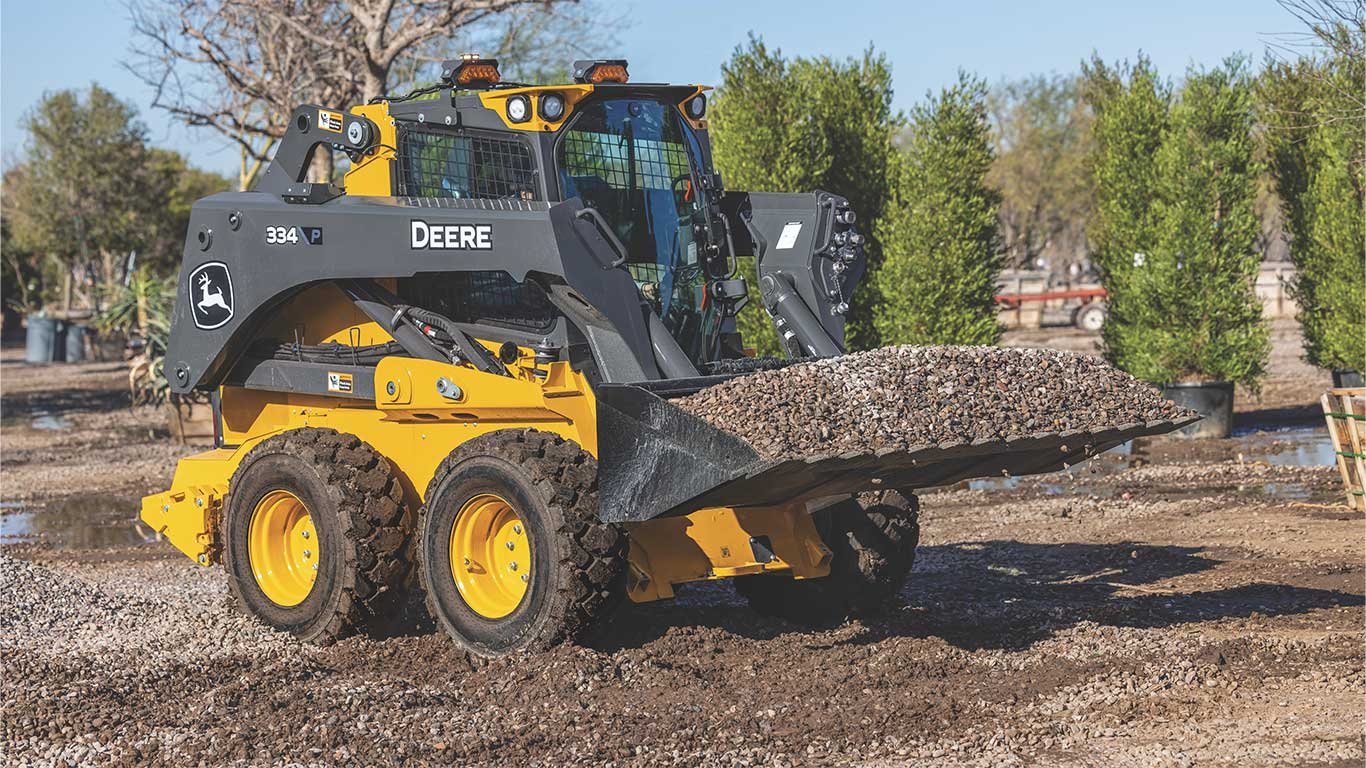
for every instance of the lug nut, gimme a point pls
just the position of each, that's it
(467, 562)
(308, 553)
(524, 578)
(512, 566)
(304, 534)
(511, 546)
(516, 529)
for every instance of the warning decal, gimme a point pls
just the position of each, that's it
(338, 382)
(330, 121)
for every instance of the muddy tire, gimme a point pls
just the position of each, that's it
(873, 539)
(358, 533)
(516, 512)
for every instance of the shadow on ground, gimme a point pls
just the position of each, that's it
(59, 400)
(1009, 595)
(1278, 418)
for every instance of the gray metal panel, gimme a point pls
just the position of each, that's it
(371, 237)
(304, 378)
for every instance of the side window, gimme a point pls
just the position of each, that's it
(438, 163)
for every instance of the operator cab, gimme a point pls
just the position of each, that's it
(636, 154)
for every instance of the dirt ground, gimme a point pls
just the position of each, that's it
(1168, 604)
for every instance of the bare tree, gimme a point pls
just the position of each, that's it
(240, 67)
(1335, 30)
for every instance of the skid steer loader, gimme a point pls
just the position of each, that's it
(451, 376)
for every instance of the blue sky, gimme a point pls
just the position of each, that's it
(47, 46)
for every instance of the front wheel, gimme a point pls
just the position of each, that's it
(873, 543)
(513, 555)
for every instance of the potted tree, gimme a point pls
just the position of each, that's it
(1176, 234)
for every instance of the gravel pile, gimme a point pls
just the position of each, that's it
(900, 397)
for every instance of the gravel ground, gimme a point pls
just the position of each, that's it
(1181, 605)
(902, 397)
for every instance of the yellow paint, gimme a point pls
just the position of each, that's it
(714, 543)
(372, 175)
(321, 314)
(416, 427)
(283, 548)
(490, 556)
(189, 514)
(496, 101)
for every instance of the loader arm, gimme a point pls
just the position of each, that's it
(809, 261)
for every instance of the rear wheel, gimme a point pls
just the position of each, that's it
(317, 541)
(513, 555)
(873, 541)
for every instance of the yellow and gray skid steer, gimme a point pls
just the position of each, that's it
(451, 376)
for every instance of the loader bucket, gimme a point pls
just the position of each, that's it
(655, 460)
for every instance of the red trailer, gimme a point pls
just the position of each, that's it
(1089, 314)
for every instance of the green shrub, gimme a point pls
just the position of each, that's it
(1175, 231)
(942, 246)
(1317, 153)
(780, 125)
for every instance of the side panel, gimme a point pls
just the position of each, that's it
(249, 251)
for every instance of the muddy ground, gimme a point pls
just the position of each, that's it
(1169, 604)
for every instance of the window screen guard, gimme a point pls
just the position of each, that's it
(463, 164)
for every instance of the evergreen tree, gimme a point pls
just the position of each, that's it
(937, 282)
(1175, 230)
(1317, 153)
(780, 125)
(1130, 105)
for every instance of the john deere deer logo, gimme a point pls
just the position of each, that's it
(211, 296)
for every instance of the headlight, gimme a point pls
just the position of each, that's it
(697, 106)
(518, 109)
(552, 107)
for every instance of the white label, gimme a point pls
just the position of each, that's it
(789, 236)
(338, 382)
(463, 237)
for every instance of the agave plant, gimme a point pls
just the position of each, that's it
(140, 310)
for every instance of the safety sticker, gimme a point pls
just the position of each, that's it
(338, 382)
(789, 236)
(330, 121)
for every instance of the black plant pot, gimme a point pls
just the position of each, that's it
(1213, 400)
(1346, 378)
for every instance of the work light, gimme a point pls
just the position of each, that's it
(552, 107)
(518, 109)
(697, 106)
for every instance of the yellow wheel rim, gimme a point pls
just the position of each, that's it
(283, 546)
(490, 556)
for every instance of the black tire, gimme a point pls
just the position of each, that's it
(873, 540)
(578, 562)
(364, 533)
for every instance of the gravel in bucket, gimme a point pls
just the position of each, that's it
(905, 396)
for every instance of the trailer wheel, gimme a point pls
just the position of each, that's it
(512, 553)
(317, 539)
(1090, 317)
(873, 541)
